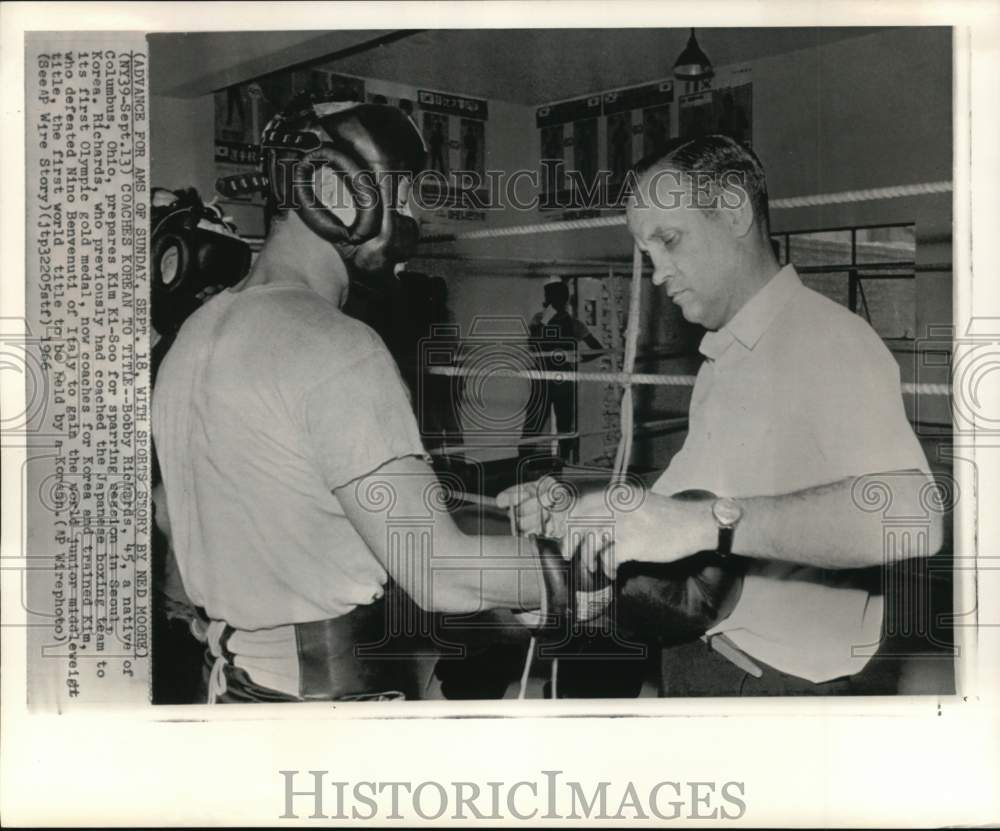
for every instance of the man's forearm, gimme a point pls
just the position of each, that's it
(826, 526)
(438, 566)
(829, 527)
(472, 573)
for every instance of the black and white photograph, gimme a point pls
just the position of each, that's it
(776, 521)
(541, 416)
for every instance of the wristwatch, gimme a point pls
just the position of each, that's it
(728, 513)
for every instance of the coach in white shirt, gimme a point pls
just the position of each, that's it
(796, 415)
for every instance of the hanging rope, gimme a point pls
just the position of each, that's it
(628, 367)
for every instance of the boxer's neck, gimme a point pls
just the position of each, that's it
(295, 255)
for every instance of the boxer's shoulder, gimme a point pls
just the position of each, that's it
(292, 314)
(290, 332)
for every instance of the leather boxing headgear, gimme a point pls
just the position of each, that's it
(373, 148)
(196, 253)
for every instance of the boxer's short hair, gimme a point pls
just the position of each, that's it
(720, 158)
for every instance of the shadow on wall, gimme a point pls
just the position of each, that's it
(408, 313)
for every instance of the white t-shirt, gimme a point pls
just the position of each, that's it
(795, 392)
(269, 399)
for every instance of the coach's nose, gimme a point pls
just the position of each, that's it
(663, 268)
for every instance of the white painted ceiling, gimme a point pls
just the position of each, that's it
(526, 66)
(186, 65)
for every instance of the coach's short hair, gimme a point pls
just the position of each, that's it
(720, 158)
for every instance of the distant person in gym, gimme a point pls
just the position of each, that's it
(556, 336)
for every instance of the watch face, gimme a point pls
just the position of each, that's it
(727, 512)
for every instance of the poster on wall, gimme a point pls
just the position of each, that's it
(727, 110)
(655, 129)
(734, 113)
(553, 161)
(581, 117)
(619, 133)
(622, 109)
(469, 115)
(603, 149)
(697, 114)
(454, 130)
(436, 135)
(585, 152)
(241, 111)
(473, 148)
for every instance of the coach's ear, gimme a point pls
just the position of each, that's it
(735, 206)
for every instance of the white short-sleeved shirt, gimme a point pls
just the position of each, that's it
(795, 392)
(269, 399)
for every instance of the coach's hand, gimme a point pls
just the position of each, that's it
(538, 507)
(611, 525)
(660, 529)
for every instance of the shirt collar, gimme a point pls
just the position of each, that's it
(751, 322)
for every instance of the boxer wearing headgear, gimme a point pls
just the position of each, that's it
(373, 150)
(293, 464)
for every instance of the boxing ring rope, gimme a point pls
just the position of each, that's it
(815, 200)
(582, 355)
(567, 375)
(594, 268)
(555, 263)
(633, 378)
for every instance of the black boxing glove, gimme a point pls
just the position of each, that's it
(552, 618)
(671, 603)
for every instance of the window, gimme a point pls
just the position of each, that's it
(822, 248)
(867, 269)
(890, 243)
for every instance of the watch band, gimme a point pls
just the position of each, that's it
(726, 534)
(727, 513)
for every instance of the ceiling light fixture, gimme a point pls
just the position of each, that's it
(693, 64)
